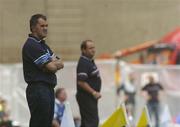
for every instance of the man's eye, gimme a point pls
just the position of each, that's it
(44, 25)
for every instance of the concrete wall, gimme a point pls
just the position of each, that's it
(112, 24)
(14, 22)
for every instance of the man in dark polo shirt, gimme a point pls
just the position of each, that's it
(40, 65)
(88, 85)
(152, 90)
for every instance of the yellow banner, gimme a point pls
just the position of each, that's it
(144, 120)
(117, 119)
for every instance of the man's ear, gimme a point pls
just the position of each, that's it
(33, 29)
(83, 51)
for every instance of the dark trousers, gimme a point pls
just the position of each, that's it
(153, 108)
(40, 98)
(89, 111)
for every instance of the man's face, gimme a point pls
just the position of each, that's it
(151, 79)
(90, 49)
(40, 30)
(62, 96)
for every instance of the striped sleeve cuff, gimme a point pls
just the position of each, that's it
(82, 76)
(43, 59)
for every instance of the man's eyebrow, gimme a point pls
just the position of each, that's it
(44, 25)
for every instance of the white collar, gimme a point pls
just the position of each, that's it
(86, 58)
(35, 39)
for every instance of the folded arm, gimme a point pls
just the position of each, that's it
(54, 65)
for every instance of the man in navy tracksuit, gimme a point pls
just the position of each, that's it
(40, 65)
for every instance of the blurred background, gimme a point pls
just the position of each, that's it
(113, 25)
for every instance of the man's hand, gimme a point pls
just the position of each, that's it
(58, 62)
(53, 66)
(96, 95)
(146, 95)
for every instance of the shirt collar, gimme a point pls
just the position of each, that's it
(58, 102)
(35, 38)
(85, 57)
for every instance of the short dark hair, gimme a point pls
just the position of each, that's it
(34, 20)
(58, 91)
(83, 44)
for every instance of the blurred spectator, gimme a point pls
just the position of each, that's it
(4, 114)
(151, 92)
(1, 108)
(59, 107)
(6, 122)
(129, 89)
(61, 97)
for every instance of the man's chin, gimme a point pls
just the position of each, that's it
(91, 57)
(44, 36)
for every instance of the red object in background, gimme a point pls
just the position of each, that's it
(134, 49)
(173, 38)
